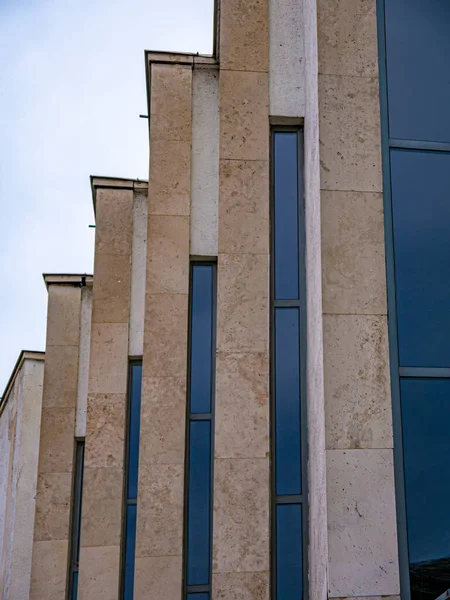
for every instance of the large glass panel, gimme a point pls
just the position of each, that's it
(199, 497)
(134, 429)
(130, 544)
(75, 585)
(421, 218)
(425, 418)
(287, 401)
(201, 596)
(289, 552)
(201, 338)
(286, 241)
(418, 51)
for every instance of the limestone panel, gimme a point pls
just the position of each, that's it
(60, 377)
(163, 414)
(353, 258)
(83, 361)
(102, 507)
(244, 206)
(243, 303)
(165, 337)
(357, 385)
(361, 523)
(168, 255)
(52, 520)
(49, 570)
(347, 31)
(171, 102)
(241, 586)
(108, 367)
(158, 577)
(242, 405)
(56, 445)
(138, 275)
(112, 288)
(170, 177)
(350, 133)
(63, 316)
(113, 232)
(244, 36)
(241, 515)
(244, 110)
(160, 513)
(99, 573)
(105, 431)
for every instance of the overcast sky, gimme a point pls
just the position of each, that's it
(72, 86)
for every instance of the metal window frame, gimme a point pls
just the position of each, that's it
(75, 517)
(302, 498)
(397, 372)
(191, 589)
(125, 500)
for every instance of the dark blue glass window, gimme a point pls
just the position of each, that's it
(421, 219)
(418, 69)
(76, 520)
(289, 552)
(286, 234)
(425, 407)
(287, 401)
(132, 474)
(201, 338)
(199, 498)
(200, 428)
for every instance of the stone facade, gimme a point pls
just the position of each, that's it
(305, 63)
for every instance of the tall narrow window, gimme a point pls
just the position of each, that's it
(414, 45)
(131, 480)
(287, 369)
(76, 520)
(200, 431)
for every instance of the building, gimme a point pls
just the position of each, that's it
(250, 398)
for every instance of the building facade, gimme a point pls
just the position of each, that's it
(249, 398)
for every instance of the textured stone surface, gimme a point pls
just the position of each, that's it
(49, 570)
(357, 385)
(101, 521)
(57, 435)
(362, 523)
(241, 586)
(244, 123)
(105, 431)
(158, 577)
(63, 317)
(243, 313)
(348, 37)
(244, 36)
(54, 492)
(163, 414)
(171, 102)
(242, 405)
(83, 361)
(241, 515)
(138, 275)
(168, 255)
(113, 215)
(350, 154)
(170, 177)
(112, 288)
(244, 207)
(60, 377)
(99, 573)
(160, 512)
(108, 367)
(354, 275)
(165, 340)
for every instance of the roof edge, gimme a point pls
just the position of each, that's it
(99, 182)
(75, 279)
(23, 356)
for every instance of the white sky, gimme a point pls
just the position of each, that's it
(72, 86)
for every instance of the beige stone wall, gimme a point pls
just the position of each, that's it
(101, 523)
(54, 486)
(360, 480)
(159, 543)
(241, 559)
